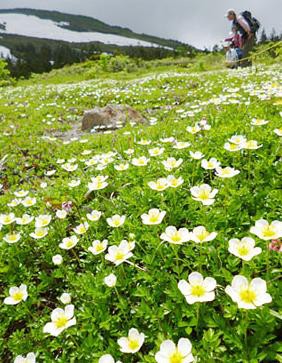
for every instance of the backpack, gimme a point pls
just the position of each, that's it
(253, 22)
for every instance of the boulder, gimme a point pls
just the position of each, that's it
(110, 117)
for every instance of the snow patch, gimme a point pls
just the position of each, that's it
(32, 26)
(5, 52)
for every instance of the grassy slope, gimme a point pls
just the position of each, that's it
(149, 301)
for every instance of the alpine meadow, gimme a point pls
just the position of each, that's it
(147, 241)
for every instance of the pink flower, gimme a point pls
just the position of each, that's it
(67, 206)
(275, 245)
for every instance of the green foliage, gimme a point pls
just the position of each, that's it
(36, 117)
(5, 78)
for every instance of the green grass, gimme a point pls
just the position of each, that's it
(34, 110)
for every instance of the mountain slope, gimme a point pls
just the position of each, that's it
(76, 24)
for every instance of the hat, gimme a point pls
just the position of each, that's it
(230, 11)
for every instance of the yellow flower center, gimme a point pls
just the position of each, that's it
(176, 357)
(119, 255)
(198, 290)
(173, 182)
(204, 194)
(99, 247)
(243, 250)
(18, 295)
(154, 218)
(133, 344)
(203, 235)
(268, 231)
(13, 237)
(247, 296)
(69, 243)
(61, 321)
(176, 237)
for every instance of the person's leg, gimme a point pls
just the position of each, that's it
(247, 48)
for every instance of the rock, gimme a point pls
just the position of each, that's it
(110, 117)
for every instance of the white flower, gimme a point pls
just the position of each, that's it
(12, 237)
(167, 140)
(258, 122)
(81, 228)
(121, 166)
(17, 294)
(244, 248)
(69, 167)
(94, 216)
(60, 320)
(57, 259)
(172, 163)
(98, 247)
(98, 183)
(226, 172)
(25, 219)
(74, 183)
(154, 216)
(39, 233)
(156, 151)
(204, 194)
(278, 132)
(213, 163)
(181, 145)
(116, 220)
(65, 298)
(132, 343)
(196, 155)
(197, 289)
(107, 358)
(29, 358)
(160, 185)
(14, 203)
(237, 139)
(110, 280)
(200, 234)
(251, 145)
(68, 242)
(21, 193)
(141, 161)
(119, 254)
(170, 353)
(232, 147)
(42, 221)
(193, 129)
(6, 219)
(144, 142)
(267, 231)
(174, 236)
(174, 182)
(61, 214)
(248, 295)
(28, 202)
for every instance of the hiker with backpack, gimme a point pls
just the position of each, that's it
(247, 27)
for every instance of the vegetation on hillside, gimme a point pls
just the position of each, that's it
(118, 229)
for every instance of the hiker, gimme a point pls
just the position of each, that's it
(236, 41)
(247, 27)
(231, 55)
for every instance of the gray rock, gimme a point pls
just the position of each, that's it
(110, 117)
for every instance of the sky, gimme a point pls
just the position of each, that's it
(197, 22)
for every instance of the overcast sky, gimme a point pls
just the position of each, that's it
(198, 22)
